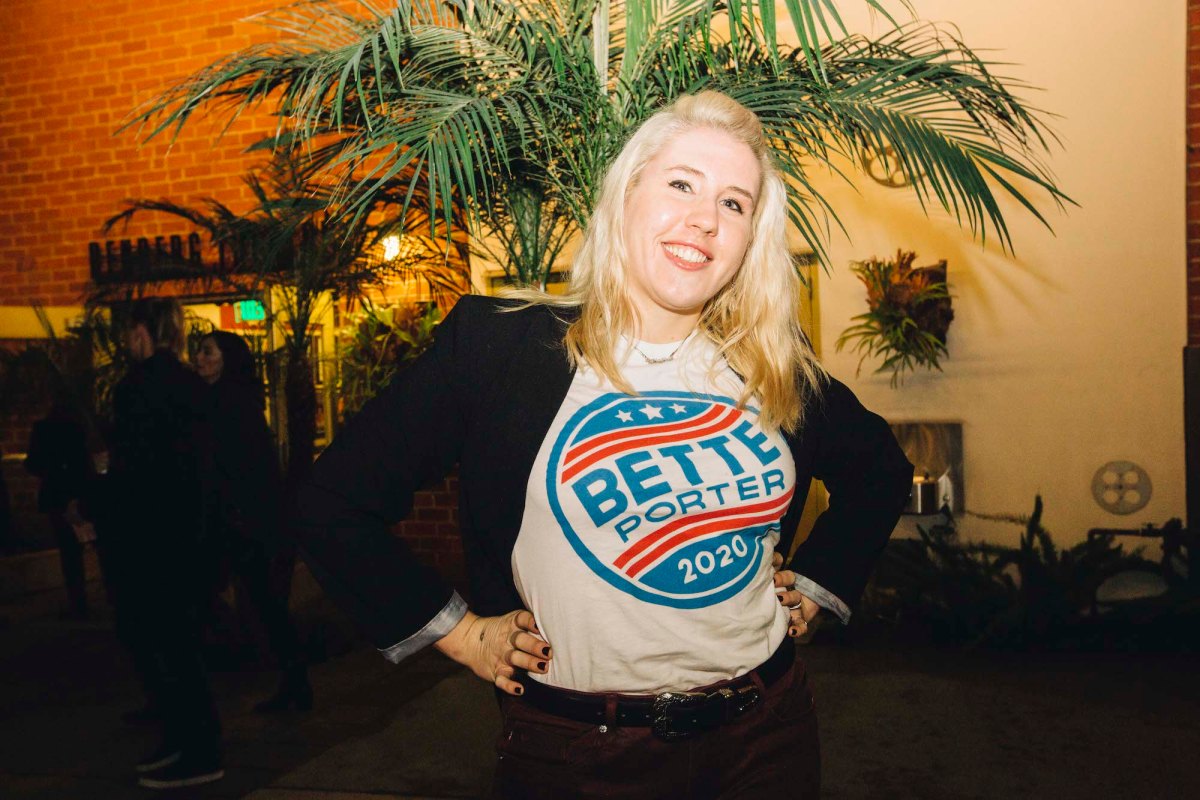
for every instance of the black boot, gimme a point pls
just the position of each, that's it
(294, 692)
(145, 715)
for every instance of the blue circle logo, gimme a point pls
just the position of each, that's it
(667, 496)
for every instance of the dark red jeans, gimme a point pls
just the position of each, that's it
(771, 751)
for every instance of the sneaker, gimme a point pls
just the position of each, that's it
(164, 756)
(183, 772)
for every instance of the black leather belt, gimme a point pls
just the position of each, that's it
(671, 715)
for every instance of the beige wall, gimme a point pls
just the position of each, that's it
(1067, 355)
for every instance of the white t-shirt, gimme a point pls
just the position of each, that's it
(650, 522)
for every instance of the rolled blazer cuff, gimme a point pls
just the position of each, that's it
(435, 629)
(822, 597)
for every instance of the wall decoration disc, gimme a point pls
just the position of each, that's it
(1121, 487)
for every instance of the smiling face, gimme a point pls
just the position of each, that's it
(209, 361)
(688, 222)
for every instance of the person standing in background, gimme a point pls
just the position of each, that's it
(58, 457)
(160, 496)
(6, 532)
(249, 491)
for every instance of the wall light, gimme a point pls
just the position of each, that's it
(391, 247)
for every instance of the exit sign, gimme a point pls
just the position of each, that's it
(250, 311)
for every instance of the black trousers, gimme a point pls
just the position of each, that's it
(259, 573)
(70, 557)
(159, 598)
(190, 720)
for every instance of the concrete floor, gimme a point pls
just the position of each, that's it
(897, 722)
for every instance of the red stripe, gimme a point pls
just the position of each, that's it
(627, 433)
(683, 522)
(612, 449)
(695, 533)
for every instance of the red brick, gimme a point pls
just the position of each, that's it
(415, 528)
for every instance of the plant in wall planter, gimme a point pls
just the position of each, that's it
(907, 318)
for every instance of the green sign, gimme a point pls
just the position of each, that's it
(251, 311)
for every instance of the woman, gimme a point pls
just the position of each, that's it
(630, 455)
(248, 489)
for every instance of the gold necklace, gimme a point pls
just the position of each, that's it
(664, 359)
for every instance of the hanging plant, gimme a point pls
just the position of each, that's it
(908, 315)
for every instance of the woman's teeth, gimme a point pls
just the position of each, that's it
(689, 254)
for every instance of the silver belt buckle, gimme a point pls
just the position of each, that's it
(666, 709)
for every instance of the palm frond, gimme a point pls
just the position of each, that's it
(445, 104)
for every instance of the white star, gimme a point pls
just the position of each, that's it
(678, 408)
(651, 412)
(624, 416)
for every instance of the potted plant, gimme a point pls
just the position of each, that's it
(907, 318)
(508, 112)
(376, 344)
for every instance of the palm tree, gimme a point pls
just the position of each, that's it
(293, 247)
(507, 111)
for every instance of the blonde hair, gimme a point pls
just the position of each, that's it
(753, 320)
(163, 320)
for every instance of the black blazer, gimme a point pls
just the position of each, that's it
(484, 397)
(157, 494)
(247, 484)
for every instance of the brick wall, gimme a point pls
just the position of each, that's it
(70, 73)
(1193, 172)
(432, 531)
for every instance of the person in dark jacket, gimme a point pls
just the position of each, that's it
(58, 456)
(6, 527)
(631, 456)
(249, 491)
(159, 500)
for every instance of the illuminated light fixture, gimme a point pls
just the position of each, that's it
(251, 311)
(391, 248)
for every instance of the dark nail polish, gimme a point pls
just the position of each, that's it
(791, 631)
(542, 665)
(520, 690)
(546, 651)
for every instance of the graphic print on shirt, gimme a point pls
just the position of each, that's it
(667, 495)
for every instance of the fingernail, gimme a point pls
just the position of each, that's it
(793, 631)
(546, 652)
(542, 666)
(520, 690)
